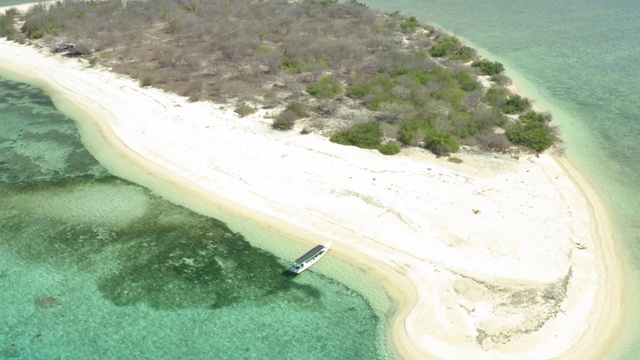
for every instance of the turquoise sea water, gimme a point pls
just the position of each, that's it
(579, 59)
(13, 2)
(93, 266)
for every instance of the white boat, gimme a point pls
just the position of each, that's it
(305, 261)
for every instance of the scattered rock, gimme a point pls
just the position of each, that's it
(264, 68)
(48, 302)
(10, 352)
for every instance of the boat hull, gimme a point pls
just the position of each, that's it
(310, 258)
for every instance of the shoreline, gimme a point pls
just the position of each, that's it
(411, 264)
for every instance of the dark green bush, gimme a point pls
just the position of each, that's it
(442, 143)
(146, 80)
(445, 47)
(496, 96)
(410, 24)
(421, 77)
(488, 67)
(465, 54)
(533, 132)
(409, 133)
(7, 23)
(327, 88)
(390, 148)
(366, 135)
(36, 27)
(532, 117)
(291, 64)
(412, 130)
(516, 104)
(465, 81)
(324, 2)
(359, 90)
(530, 135)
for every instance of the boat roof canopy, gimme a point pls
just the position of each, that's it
(309, 254)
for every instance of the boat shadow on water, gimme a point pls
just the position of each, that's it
(288, 274)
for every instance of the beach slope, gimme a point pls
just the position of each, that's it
(497, 257)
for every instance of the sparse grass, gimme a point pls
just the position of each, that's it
(244, 110)
(147, 80)
(285, 120)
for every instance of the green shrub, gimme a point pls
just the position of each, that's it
(297, 108)
(530, 135)
(285, 120)
(36, 29)
(365, 135)
(421, 77)
(324, 2)
(465, 81)
(408, 133)
(451, 95)
(499, 79)
(410, 24)
(442, 143)
(496, 96)
(488, 67)
(291, 64)
(465, 54)
(390, 148)
(359, 90)
(7, 23)
(533, 132)
(532, 117)
(445, 47)
(327, 88)
(516, 104)
(412, 130)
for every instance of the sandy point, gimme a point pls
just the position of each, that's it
(496, 257)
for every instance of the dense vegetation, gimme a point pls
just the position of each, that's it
(8, 23)
(532, 131)
(367, 78)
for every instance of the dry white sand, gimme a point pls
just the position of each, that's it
(494, 258)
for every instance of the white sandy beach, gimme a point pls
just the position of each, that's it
(498, 257)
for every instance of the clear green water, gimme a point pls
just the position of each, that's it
(93, 266)
(12, 2)
(579, 59)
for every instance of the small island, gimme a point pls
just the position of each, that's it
(503, 251)
(364, 78)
